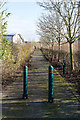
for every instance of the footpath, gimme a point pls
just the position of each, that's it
(65, 104)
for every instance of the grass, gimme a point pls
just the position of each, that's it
(67, 85)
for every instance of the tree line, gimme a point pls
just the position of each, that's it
(60, 21)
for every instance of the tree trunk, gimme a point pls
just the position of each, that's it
(49, 52)
(71, 57)
(58, 50)
(52, 51)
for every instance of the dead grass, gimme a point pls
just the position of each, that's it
(71, 77)
(20, 57)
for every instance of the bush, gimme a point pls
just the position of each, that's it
(14, 57)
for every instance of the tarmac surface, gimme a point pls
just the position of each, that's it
(65, 104)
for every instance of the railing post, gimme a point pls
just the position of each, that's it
(64, 66)
(50, 92)
(25, 87)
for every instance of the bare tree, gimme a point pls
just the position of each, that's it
(46, 25)
(68, 11)
(45, 30)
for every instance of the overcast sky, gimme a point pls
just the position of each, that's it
(23, 18)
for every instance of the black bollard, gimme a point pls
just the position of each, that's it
(64, 66)
(50, 96)
(25, 87)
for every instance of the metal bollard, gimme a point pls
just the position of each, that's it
(25, 87)
(64, 66)
(50, 96)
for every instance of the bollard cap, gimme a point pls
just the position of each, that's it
(25, 67)
(50, 67)
(64, 60)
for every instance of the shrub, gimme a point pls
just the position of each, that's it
(14, 56)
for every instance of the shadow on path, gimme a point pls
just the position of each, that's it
(65, 105)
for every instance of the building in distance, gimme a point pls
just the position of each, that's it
(14, 38)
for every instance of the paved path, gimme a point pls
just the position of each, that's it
(0, 88)
(65, 104)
